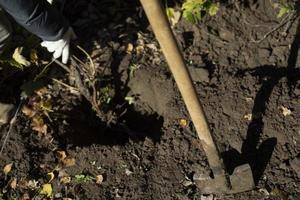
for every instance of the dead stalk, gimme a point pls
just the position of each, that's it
(11, 124)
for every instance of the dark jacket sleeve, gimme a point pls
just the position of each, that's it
(38, 17)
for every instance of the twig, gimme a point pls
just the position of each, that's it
(66, 85)
(11, 124)
(282, 23)
(90, 59)
(62, 65)
(43, 71)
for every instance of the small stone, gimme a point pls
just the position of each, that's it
(6, 113)
(207, 197)
(199, 74)
(128, 172)
(295, 164)
(283, 166)
(187, 183)
(226, 35)
(264, 53)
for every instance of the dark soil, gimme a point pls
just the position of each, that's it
(142, 150)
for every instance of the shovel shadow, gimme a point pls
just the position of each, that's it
(259, 155)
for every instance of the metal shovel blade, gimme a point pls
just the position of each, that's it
(241, 180)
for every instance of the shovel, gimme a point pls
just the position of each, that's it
(242, 179)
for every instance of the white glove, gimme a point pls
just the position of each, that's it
(61, 48)
(50, 1)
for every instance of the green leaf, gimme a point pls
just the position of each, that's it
(19, 58)
(170, 12)
(284, 9)
(46, 190)
(213, 9)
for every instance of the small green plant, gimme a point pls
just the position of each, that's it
(194, 10)
(81, 178)
(132, 69)
(284, 8)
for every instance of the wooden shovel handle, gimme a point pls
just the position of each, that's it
(170, 49)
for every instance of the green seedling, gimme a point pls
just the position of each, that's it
(81, 178)
(131, 100)
(284, 8)
(132, 69)
(105, 96)
(194, 10)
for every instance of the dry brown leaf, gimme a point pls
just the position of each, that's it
(65, 180)
(51, 175)
(99, 179)
(13, 183)
(38, 125)
(285, 111)
(26, 196)
(34, 57)
(61, 155)
(29, 112)
(7, 168)
(40, 92)
(68, 162)
(23, 184)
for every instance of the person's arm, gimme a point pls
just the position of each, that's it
(38, 17)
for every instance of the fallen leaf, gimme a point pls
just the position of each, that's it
(139, 50)
(65, 180)
(19, 58)
(152, 47)
(33, 184)
(173, 16)
(99, 179)
(207, 197)
(38, 125)
(248, 117)
(130, 100)
(29, 112)
(46, 190)
(278, 193)
(61, 155)
(34, 57)
(128, 172)
(51, 175)
(13, 183)
(23, 184)
(187, 183)
(68, 162)
(264, 191)
(285, 111)
(183, 122)
(40, 92)
(129, 48)
(7, 168)
(26, 196)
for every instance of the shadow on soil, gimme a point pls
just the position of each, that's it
(269, 77)
(85, 128)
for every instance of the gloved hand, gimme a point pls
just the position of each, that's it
(61, 48)
(50, 1)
